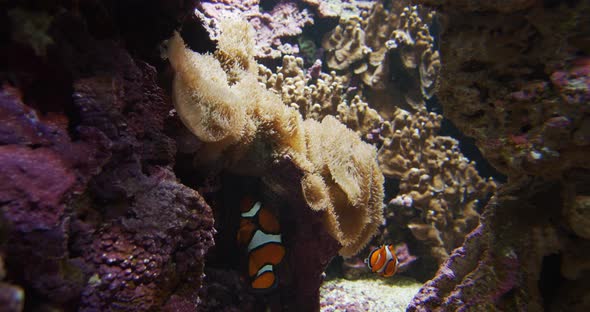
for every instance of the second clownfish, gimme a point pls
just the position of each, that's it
(383, 261)
(260, 235)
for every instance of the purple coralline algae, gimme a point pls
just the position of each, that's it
(285, 20)
(463, 281)
(523, 97)
(89, 198)
(506, 262)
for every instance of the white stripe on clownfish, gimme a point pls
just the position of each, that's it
(388, 257)
(260, 238)
(380, 259)
(259, 233)
(253, 211)
(265, 268)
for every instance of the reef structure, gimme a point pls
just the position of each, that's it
(525, 101)
(340, 8)
(246, 129)
(390, 50)
(439, 187)
(285, 20)
(391, 117)
(92, 215)
(385, 66)
(440, 204)
(518, 257)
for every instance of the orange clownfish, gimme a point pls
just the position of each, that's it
(260, 233)
(383, 261)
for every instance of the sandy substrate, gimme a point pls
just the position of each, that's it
(368, 295)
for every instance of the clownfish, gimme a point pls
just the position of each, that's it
(259, 233)
(383, 261)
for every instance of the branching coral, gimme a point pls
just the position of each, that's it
(247, 129)
(442, 185)
(319, 96)
(314, 97)
(391, 51)
(435, 178)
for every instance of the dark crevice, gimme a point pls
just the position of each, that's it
(435, 31)
(526, 128)
(470, 150)
(319, 29)
(550, 279)
(196, 37)
(391, 188)
(557, 3)
(473, 66)
(475, 115)
(267, 5)
(399, 75)
(483, 94)
(226, 209)
(466, 144)
(310, 42)
(335, 268)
